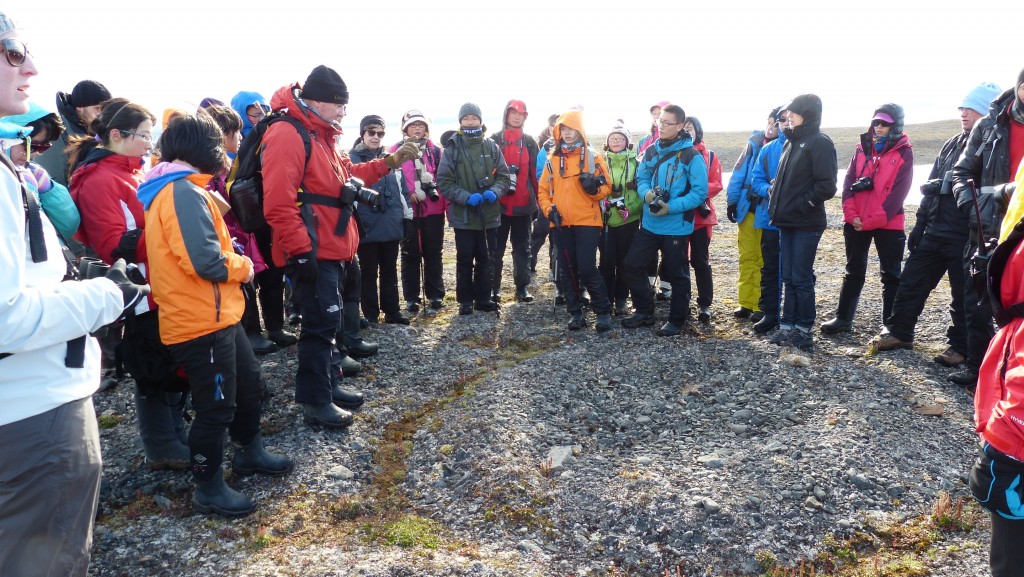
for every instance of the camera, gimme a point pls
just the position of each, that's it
(483, 183)
(704, 210)
(592, 183)
(661, 197)
(430, 189)
(618, 203)
(862, 183)
(354, 191)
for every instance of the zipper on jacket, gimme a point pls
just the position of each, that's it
(216, 299)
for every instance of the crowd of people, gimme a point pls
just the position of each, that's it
(157, 274)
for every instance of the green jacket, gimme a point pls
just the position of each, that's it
(623, 168)
(472, 166)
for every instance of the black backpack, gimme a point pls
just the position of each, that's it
(245, 181)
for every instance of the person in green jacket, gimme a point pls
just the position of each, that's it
(621, 213)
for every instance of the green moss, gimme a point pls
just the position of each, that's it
(109, 421)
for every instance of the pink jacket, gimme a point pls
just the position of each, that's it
(431, 159)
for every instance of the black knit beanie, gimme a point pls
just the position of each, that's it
(325, 85)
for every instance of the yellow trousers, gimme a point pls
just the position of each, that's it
(748, 241)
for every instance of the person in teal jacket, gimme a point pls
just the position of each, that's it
(621, 215)
(672, 180)
(251, 106)
(764, 170)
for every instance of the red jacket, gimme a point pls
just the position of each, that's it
(714, 186)
(284, 157)
(104, 190)
(892, 172)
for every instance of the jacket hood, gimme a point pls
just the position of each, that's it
(287, 97)
(896, 112)
(35, 112)
(809, 107)
(69, 114)
(574, 120)
(149, 189)
(698, 130)
(243, 100)
(518, 105)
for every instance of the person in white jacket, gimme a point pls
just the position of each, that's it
(49, 368)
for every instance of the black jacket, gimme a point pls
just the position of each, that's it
(808, 171)
(938, 215)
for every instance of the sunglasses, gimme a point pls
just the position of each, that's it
(15, 51)
(880, 122)
(377, 133)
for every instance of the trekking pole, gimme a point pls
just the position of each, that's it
(490, 257)
(556, 219)
(977, 214)
(421, 258)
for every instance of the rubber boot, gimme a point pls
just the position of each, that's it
(254, 458)
(160, 425)
(357, 347)
(214, 496)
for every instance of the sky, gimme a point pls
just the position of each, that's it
(728, 63)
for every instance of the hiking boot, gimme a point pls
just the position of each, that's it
(967, 378)
(362, 349)
(742, 313)
(214, 496)
(396, 319)
(282, 338)
(836, 326)
(802, 340)
(294, 318)
(578, 321)
(261, 345)
(486, 306)
(413, 307)
(523, 296)
(436, 304)
(604, 323)
(704, 315)
(621, 310)
(466, 308)
(887, 342)
(670, 329)
(559, 299)
(350, 367)
(782, 337)
(496, 298)
(950, 358)
(326, 415)
(254, 458)
(756, 316)
(637, 320)
(346, 398)
(664, 295)
(768, 322)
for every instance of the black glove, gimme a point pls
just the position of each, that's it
(730, 211)
(132, 293)
(305, 267)
(554, 217)
(590, 183)
(915, 236)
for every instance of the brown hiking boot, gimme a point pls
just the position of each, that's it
(887, 342)
(950, 358)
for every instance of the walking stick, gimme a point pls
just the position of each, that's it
(556, 219)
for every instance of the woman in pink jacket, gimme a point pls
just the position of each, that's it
(704, 218)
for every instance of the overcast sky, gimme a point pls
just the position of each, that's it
(728, 63)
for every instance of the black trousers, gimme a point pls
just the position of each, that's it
(270, 285)
(978, 318)
(379, 260)
(516, 228)
(227, 388)
(422, 246)
(614, 248)
(771, 289)
(700, 260)
(541, 228)
(472, 264)
(922, 272)
(675, 269)
(889, 246)
(576, 250)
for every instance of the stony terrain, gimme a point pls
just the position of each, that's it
(509, 446)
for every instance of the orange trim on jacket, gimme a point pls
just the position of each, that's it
(560, 182)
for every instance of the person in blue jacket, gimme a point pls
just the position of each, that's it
(741, 204)
(764, 170)
(672, 179)
(252, 107)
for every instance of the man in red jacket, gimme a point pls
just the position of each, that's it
(309, 206)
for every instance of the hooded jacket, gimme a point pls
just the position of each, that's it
(560, 182)
(55, 160)
(623, 167)
(382, 223)
(244, 100)
(195, 274)
(300, 228)
(687, 184)
(742, 174)
(465, 165)
(714, 176)
(937, 214)
(807, 172)
(431, 159)
(891, 171)
(766, 167)
(520, 150)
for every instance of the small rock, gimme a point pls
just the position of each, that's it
(341, 472)
(710, 506)
(644, 460)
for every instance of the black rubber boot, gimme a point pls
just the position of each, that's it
(159, 426)
(254, 458)
(214, 496)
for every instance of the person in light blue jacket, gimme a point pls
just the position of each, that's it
(673, 181)
(251, 106)
(762, 175)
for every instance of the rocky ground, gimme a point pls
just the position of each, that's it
(509, 446)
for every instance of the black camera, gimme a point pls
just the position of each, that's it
(430, 189)
(661, 197)
(591, 183)
(512, 179)
(483, 183)
(704, 210)
(618, 203)
(354, 191)
(862, 183)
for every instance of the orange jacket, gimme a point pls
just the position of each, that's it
(560, 182)
(196, 283)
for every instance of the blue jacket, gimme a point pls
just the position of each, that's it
(687, 185)
(243, 100)
(742, 174)
(384, 223)
(542, 156)
(764, 171)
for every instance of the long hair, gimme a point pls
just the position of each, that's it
(115, 114)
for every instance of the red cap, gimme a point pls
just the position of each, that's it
(517, 105)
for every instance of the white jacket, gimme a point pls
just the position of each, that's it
(39, 314)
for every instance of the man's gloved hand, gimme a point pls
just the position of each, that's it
(306, 269)
(731, 212)
(915, 236)
(475, 199)
(132, 293)
(649, 197)
(590, 183)
(489, 196)
(554, 216)
(659, 209)
(408, 151)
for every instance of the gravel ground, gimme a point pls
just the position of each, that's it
(506, 445)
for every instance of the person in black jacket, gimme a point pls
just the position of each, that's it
(990, 161)
(937, 245)
(806, 178)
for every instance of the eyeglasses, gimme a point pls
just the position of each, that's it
(147, 138)
(377, 133)
(15, 51)
(880, 122)
(663, 123)
(41, 146)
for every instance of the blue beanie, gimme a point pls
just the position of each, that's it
(981, 97)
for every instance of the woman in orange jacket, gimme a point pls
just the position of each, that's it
(575, 178)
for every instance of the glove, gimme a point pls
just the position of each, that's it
(730, 211)
(419, 196)
(408, 151)
(660, 209)
(43, 182)
(132, 293)
(489, 196)
(475, 199)
(649, 197)
(305, 267)
(1007, 193)
(915, 236)
(554, 216)
(590, 183)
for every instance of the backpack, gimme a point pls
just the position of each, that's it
(245, 181)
